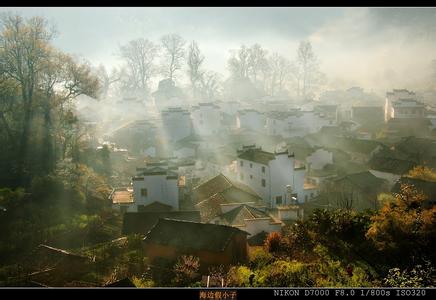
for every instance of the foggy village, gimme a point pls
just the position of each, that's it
(217, 147)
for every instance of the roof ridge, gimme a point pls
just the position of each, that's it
(249, 211)
(227, 179)
(202, 223)
(217, 193)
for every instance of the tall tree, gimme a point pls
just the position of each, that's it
(107, 80)
(139, 56)
(24, 45)
(36, 80)
(238, 63)
(307, 72)
(210, 85)
(257, 60)
(195, 61)
(280, 72)
(174, 54)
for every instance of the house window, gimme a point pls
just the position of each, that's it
(251, 165)
(241, 176)
(241, 163)
(263, 169)
(251, 176)
(144, 192)
(263, 182)
(279, 200)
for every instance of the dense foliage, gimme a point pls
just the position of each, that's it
(391, 247)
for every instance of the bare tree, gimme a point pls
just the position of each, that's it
(280, 72)
(257, 59)
(250, 65)
(238, 63)
(139, 56)
(307, 69)
(195, 60)
(210, 85)
(107, 80)
(174, 54)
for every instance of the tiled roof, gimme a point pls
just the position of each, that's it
(156, 170)
(343, 143)
(258, 239)
(328, 170)
(211, 207)
(212, 186)
(191, 235)
(391, 165)
(219, 184)
(282, 115)
(256, 155)
(238, 215)
(142, 222)
(365, 181)
(122, 197)
(61, 252)
(155, 207)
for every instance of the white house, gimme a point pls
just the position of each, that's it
(309, 122)
(206, 119)
(403, 104)
(431, 116)
(295, 123)
(176, 124)
(250, 119)
(278, 122)
(229, 107)
(156, 183)
(274, 176)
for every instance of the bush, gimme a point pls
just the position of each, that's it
(285, 274)
(239, 276)
(272, 242)
(186, 270)
(11, 198)
(419, 276)
(260, 258)
(162, 271)
(142, 282)
(46, 188)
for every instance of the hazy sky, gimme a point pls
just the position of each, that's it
(375, 48)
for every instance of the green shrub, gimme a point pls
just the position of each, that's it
(142, 282)
(239, 276)
(260, 258)
(284, 274)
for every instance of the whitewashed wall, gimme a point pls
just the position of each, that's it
(159, 189)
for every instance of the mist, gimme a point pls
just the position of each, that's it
(377, 48)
